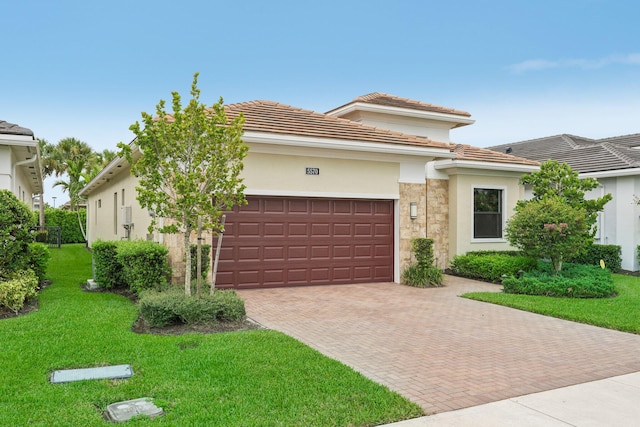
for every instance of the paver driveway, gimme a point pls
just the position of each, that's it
(439, 350)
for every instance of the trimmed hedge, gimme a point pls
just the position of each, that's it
(611, 254)
(173, 307)
(137, 264)
(573, 281)
(70, 231)
(144, 264)
(15, 237)
(491, 266)
(39, 257)
(15, 291)
(107, 268)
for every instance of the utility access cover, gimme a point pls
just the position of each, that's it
(123, 411)
(100, 373)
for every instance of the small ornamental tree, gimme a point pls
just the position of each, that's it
(550, 228)
(558, 179)
(189, 166)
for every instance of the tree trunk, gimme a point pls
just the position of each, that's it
(199, 259)
(215, 263)
(42, 224)
(187, 255)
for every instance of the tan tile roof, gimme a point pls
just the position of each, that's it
(384, 99)
(468, 152)
(275, 118)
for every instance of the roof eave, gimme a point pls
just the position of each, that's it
(474, 164)
(347, 145)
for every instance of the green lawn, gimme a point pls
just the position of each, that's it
(621, 312)
(252, 378)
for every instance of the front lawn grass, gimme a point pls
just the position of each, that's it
(251, 378)
(620, 312)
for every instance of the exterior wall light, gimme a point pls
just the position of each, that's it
(413, 210)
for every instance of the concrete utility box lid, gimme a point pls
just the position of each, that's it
(103, 372)
(124, 411)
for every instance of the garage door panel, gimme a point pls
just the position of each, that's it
(248, 229)
(362, 251)
(276, 241)
(321, 252)
(273, 253)
(363, 230)
(274, 229)
(297, 252)
(271, 206)
(298, 229)
(342, 251)
(341, 230)
(320, 230)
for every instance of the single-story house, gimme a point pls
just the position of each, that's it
(615, 163)
(337, 197)
(20, 170)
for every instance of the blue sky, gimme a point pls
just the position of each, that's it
(523, 69)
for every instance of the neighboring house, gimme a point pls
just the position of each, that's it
(20, 170)
(336, 198)
(615, 163)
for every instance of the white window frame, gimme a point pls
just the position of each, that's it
(504, 213)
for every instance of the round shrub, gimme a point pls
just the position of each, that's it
(172, 306)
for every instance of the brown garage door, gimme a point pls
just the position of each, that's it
(277, 241)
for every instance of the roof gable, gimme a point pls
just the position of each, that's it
(387, 100)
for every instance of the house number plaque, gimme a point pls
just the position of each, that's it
(312, 171)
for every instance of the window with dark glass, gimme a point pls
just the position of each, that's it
(487, 213)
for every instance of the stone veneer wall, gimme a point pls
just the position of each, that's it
(411, 228)
(438, 219)
(175, 244)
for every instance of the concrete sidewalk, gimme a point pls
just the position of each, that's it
(610, 402)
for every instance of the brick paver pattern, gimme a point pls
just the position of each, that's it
(439, 350)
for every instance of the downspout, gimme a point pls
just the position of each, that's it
(13, 172)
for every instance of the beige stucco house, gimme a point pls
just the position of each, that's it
(337, 197)
(20, 170)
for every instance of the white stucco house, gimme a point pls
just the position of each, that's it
(615, 163)
(337, 197)
(20, 170)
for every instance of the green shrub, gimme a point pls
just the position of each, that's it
(422, 273)
(173, 306)
(15, 291)
(70, 231)
(420, 277)
(206, 260)
(491, 267)
(15, 221)
(574, 281)
(107, 267)
(144, 264)
(610, 254)
(39, 257)
(495, 252)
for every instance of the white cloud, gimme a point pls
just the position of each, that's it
(543, 64)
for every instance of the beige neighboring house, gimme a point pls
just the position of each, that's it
(336, 198)
(20, 170)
